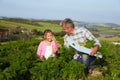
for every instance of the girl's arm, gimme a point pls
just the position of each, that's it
(55, 47)
(39, 51)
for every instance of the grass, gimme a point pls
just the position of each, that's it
(48, 25)
(108, 30)
(110, 39)
(53, 27)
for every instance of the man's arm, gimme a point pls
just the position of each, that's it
(97, 44)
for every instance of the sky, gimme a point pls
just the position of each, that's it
(98, 11)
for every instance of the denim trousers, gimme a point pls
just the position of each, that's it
(86, 60)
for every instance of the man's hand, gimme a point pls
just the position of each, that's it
(94, 50)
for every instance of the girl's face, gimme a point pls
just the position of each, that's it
(48, 36)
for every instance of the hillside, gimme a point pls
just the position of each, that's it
(97, 25)
(35, 26)
(39, 23)
(19, 28)
(29, 24)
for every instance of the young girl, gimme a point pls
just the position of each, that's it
(48, 47)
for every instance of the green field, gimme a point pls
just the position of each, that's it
(49, 25)
(109, 30)
(44, 25)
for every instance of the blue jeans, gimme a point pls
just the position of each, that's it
(86, 60)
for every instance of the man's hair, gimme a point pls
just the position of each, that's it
(47, 31)
(68, 22)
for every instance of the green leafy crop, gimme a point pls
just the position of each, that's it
(18, 61)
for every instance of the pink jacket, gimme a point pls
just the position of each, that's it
(42, 48)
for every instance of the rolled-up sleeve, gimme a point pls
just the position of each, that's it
(66, 42)
(90, 36)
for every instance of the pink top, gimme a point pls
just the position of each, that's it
(42, 48)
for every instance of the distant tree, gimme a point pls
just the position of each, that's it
(17, 30)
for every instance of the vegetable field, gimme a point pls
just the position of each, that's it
(18, 61)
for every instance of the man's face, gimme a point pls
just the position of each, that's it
(67, 30)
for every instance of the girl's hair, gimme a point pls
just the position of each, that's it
(47, 31)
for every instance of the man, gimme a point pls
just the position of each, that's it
(79, 34)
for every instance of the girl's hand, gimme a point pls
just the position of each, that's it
(42, 59)
(55, 50)
(58, 45)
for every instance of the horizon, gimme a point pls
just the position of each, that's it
(58, 19)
